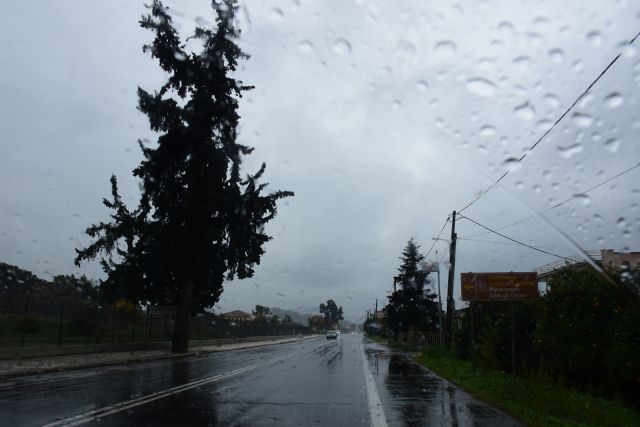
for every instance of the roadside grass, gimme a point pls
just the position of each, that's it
(536, 401)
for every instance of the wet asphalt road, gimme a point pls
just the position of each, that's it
(311, 382)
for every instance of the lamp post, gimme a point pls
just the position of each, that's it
(449, 291)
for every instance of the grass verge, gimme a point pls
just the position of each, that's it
(534, 401)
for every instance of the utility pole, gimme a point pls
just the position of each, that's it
(439, 300)
(452, 272)
(376, 312)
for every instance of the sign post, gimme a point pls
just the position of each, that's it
(512, 286)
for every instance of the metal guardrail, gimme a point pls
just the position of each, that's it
(547, 269)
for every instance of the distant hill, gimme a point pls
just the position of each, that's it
(299, 318)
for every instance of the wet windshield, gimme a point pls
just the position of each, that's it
(198, 197)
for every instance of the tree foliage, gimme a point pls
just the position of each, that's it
(261, 311)
(199, 222)
(412, 306)
(332, 314)
(583, 331)
(316, 323)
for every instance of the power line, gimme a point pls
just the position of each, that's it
(487, 241)
(552, 126)
(491, 242)
(436, 241)
(575, 196)
(519, 242)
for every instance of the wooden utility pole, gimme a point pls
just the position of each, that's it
(452, 272)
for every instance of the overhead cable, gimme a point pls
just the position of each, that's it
(519, 242)
(557, 205)
(436, 239)
(582, 95)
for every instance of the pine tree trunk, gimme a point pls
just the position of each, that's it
(183, 314)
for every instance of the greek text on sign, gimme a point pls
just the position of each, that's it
(499, 286)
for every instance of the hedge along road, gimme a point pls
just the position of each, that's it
(314, 381)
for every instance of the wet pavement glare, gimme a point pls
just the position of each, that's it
(309, 382)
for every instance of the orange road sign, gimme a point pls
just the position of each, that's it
(510, 286)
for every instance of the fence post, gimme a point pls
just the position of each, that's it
(148, 328)
(113, 326)
(133, 328)
(25, 316)
(164, 329)
(60, 324)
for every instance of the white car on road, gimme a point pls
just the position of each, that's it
(333, 335)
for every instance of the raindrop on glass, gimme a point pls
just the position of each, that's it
(446, 47)
(406, 48)
(612, 145)
(306, 46)
(582, 119)
(276, 14)
(535, 39)
(613, 100)
(522, 61)
(552, 100)
(481, 87)
(505, 29)
(628, 51)
(422, 85)
(512, 164)
(342, 46)
(584, 199)
(577, 66)
(570, 151)
(595, 38)
(556, 55)
(487, 130)
(525, 111)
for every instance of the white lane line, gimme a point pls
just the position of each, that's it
(376, 411)
(123, 406)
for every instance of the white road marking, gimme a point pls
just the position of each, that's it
(123, 406)
(376, 411)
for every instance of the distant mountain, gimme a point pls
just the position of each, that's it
(300, 318)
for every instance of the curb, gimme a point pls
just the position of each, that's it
(43, 371)
(103, 363)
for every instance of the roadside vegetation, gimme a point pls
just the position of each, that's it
(536, 400)
(576, 351)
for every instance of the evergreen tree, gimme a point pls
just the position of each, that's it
(412, 306)
(120, 237)
(198, 222)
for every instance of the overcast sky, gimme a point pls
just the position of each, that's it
(382, 116)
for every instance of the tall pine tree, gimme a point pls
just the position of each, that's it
(411, 306)
(199, 221)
